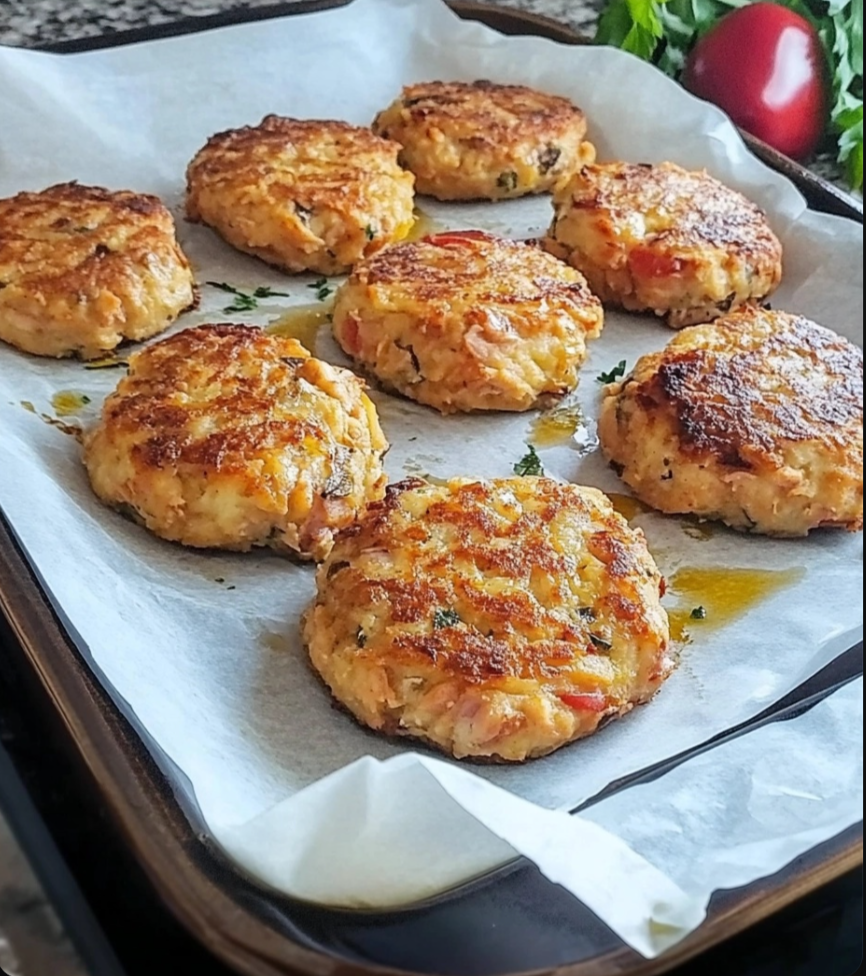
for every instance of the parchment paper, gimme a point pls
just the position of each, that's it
(201, 649)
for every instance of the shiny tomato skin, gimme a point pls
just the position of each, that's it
(591, 702)
(764, 65)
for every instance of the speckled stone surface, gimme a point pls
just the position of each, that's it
(30, 23)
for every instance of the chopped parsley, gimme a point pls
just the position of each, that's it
(529, 464)
(321, 288)
(548, 158)
(507, 180)
(699, 613)
(370, 232)
(615, 374)
(264, 292)
(445, 618)
(600, 643)
(244, 301)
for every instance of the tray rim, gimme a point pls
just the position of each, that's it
(140, 801)
(159, 838)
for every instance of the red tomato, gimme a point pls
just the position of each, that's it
(351, 336)
(764, 65)
(592, 702)
(648, 263)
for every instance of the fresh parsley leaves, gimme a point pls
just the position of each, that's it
(507, 181)
(530, 463)
(246, 301)
(699, 613)
(445, 618)
(322, 288)
(664, 31)
(613, 375)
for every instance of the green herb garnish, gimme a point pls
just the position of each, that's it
(665, 31)
(507, 180)
(370, 232)
(322, 288)
(529, 464)
(243, 301)
(699, 613)
(264, 292)
(445, 618)
(548, 158)
(616, 373)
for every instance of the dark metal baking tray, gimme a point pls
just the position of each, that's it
(508, 922)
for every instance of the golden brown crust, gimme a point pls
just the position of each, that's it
(732, 405)
(755, 419)
(496, 619)
(467, 321)
(304, 195)
(662, 239)
(225, 436)
(481, 140)
(82, 268)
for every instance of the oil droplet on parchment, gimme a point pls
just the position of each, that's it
(710, 598)
(301, 322)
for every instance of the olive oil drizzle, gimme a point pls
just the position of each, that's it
(628, 506)
(301, 322)
(556, 426)
(67, 403)
(722, 594)
(424, 226)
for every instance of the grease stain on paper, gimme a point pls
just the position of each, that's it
(301, 322)
(424, 226)
(710, 598)
(67, 403)
(273, 640)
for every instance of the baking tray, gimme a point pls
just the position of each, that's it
(512, 920)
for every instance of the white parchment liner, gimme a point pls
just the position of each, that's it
(215, 677)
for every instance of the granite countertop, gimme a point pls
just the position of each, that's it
(29, 23)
